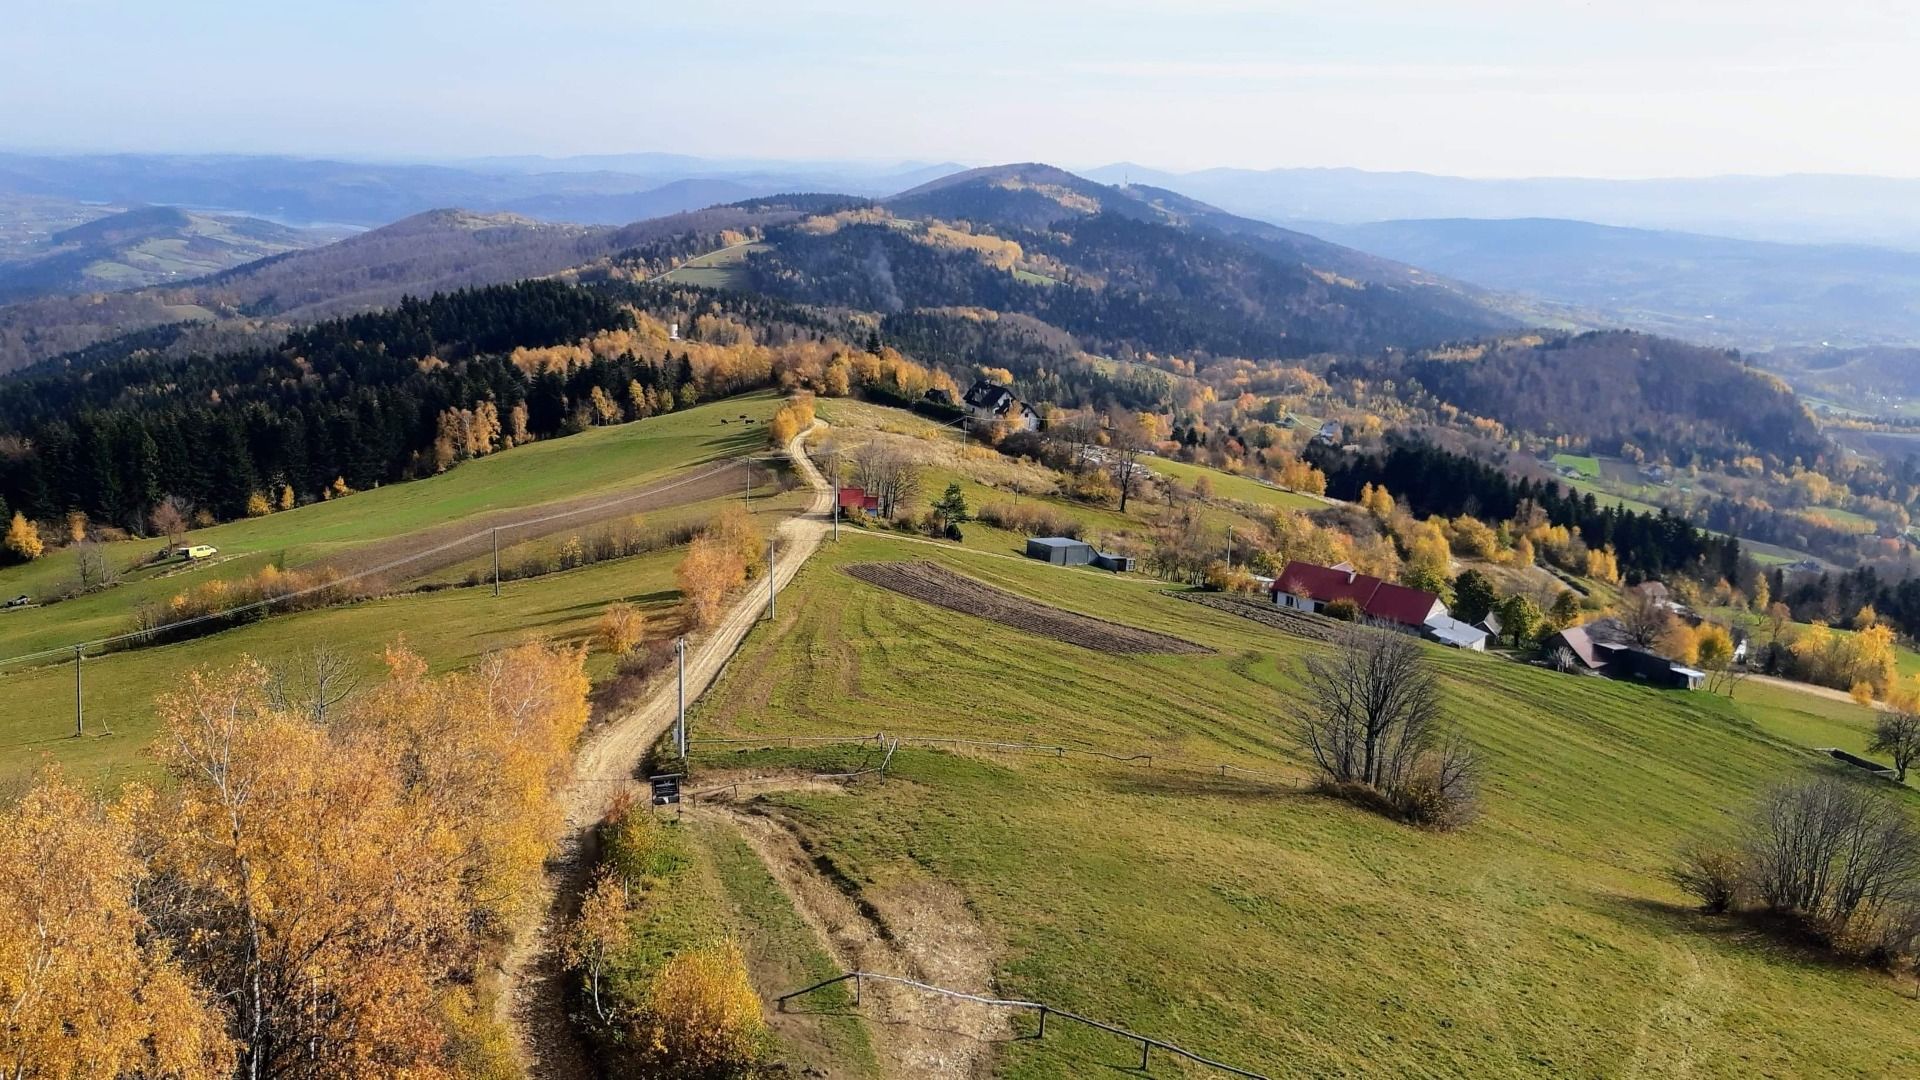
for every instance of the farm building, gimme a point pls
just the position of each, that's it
(854, 500)
(1602, 646)
(1060, 550)
(1119, 564)
(1307, 587)
(1455, 634)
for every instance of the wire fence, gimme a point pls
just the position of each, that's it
(1041, 1009)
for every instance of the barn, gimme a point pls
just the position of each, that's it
(1060, 550)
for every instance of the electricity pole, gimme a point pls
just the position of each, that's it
(496, 560)
(769, 578)
(79, 715)
(836, 509)
(680, 720)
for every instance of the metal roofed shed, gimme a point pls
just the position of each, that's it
(1108, 560)
(1060, 550)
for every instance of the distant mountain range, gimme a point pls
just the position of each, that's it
(1742, 293)
(1882, 211)
(143, 246)
(605, 191)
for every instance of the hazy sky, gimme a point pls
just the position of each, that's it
(1472, 87)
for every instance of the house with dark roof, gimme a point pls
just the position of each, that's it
(1307, 587)
(1603, 647)
(990, 402)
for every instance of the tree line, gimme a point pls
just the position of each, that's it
(1432, 481)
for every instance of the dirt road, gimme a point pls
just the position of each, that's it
(533, 1003)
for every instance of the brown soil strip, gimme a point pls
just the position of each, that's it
(1261, 611)
(935, 584)
(691, 486)
(920, 931)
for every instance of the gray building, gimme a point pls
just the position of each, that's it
(1060, 550)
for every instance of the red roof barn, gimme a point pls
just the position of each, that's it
(1308, 587)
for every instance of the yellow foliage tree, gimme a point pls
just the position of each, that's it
(621, 628)
(702, 1017)
(23, 539)
(709, 571)
(258, 506)
(286, 496)
(89, 989)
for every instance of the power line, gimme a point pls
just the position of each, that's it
(394, 564)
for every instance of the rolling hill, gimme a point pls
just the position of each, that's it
(145, 246)
(438, 251)
(1121, 269)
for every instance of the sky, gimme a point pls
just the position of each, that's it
(1609, 88)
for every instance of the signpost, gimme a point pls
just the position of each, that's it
(666, 789)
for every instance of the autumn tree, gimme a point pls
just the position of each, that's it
(1644, 616)
(596, 936)
(1565, 609)
(169, 519)
(90, 989)
(22, 542)
(706, 575)
(257, 504)
(1713, 653)
(702, 1016)
(1127, 441)
(886, 470)
(621, 627)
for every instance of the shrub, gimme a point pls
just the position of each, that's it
(1710, 873)
(1342, 609)
(701, 1017)
(1031, 519)
(621, 628)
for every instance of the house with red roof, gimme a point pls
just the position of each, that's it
(1305, 586)
(855, 500)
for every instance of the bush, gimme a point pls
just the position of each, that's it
(621, 628)
(701, 1017)
(1031, 519)
(1342, 609)
(1710, 873)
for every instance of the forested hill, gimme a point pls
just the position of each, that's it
(1122, 270)
(438, 251)
(1615, 388)
(371, 399)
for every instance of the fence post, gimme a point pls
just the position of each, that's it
(1043, 1023)
(857, 980)
(1143, 1054)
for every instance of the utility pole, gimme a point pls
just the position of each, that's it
(746, 493)
(836, 508)
(769, 578)
(496, 560)
(1229, 547)
(79, 715)
(680, 720)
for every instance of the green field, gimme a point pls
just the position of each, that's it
(598, 460)
(1585, 464)
(1272, 927)
(714, 270)
(450, 627)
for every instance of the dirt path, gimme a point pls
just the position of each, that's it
(921, 931)
(1827, 692)
(533, 1002)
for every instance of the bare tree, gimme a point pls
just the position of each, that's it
(1123, 458)
(1644, 617)
(1373, 721)
(1897, 734)
(312, 682)
(1562, 659)
(170, 518)
(886, 471)
(1828, 850)
(91, 568)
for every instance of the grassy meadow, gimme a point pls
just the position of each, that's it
(449, 627)
(1274, 928)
